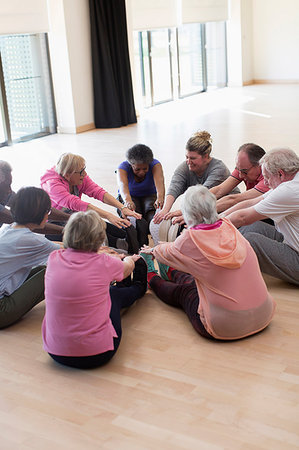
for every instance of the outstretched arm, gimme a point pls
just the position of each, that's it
(241, 205)
(231, 200)
(225, 187)
(110, 200)
(169, 201)
(245, 216)
(123, 184)
(159, 183)
(129, 264)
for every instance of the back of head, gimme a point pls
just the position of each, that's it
(69, 163)
(5, 171)
(139, 154)
(200, 142)
(84, 231)
(30, 205)
(281, 159)
(253, 151)
(199, 206)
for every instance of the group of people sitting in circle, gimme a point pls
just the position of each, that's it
(88, 264)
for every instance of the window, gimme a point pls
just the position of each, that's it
(178, 62)
(27, 99)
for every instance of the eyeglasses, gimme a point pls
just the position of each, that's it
(244, 171)
(81, 171)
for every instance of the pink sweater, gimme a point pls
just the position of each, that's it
(77, 319)
(58, 189)
(234, 301)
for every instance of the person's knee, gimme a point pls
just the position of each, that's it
(257, 242)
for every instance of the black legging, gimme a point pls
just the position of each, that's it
(181, 292)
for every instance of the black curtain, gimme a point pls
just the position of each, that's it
(112, 82)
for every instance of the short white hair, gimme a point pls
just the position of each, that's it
(84, 231)
(199, 206)
(280, 159)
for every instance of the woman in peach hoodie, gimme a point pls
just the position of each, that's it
(213, 273)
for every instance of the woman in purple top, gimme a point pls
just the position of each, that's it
(141, 187)
(141, 181)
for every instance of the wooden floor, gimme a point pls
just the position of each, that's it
(166, 388)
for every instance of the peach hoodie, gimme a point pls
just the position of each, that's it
(234, 301)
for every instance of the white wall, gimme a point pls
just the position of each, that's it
(246, 41)
(79, 45)
(276, 40)
(70, 53)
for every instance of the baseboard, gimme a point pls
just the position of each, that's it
(82, 128)
(266, 81)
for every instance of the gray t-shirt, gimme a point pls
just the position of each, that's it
(20, 251)
(215, 173)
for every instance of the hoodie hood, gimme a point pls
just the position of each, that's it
(223, 246)
(50, 174)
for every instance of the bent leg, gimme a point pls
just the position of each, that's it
(264, 229)
(14, 306)
(275, 258)
(184, 296)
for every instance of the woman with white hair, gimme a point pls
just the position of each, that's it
(82, 324)
(68, 180)
(214, 275)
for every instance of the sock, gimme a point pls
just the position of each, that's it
(165, 271)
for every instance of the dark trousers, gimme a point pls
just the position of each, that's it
(29, 294)
(121, 297)
(181, 292)
(145, 207)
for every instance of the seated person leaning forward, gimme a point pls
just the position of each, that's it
(82, 324)
(52, 230)
(223, 292)
(199, 168)
(65, 185)
(141, 186)
(247, 170)
(23, 255)
(277, 248)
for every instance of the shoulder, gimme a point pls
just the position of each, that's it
(235, 174)
(217, 164)
(154, 163)
(260, 185)
(182, 168)
(125, 165)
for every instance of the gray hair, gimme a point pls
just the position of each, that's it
(140, 154)
(199, 206)
(69, 163)
(280, 159)
(84, 231)
(5, 169)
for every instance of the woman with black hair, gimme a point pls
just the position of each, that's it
(23, 255)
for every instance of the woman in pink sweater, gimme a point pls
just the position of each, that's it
(68, 180)
(214, 275)
(82, 323)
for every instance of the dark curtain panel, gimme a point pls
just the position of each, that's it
(112, 83)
